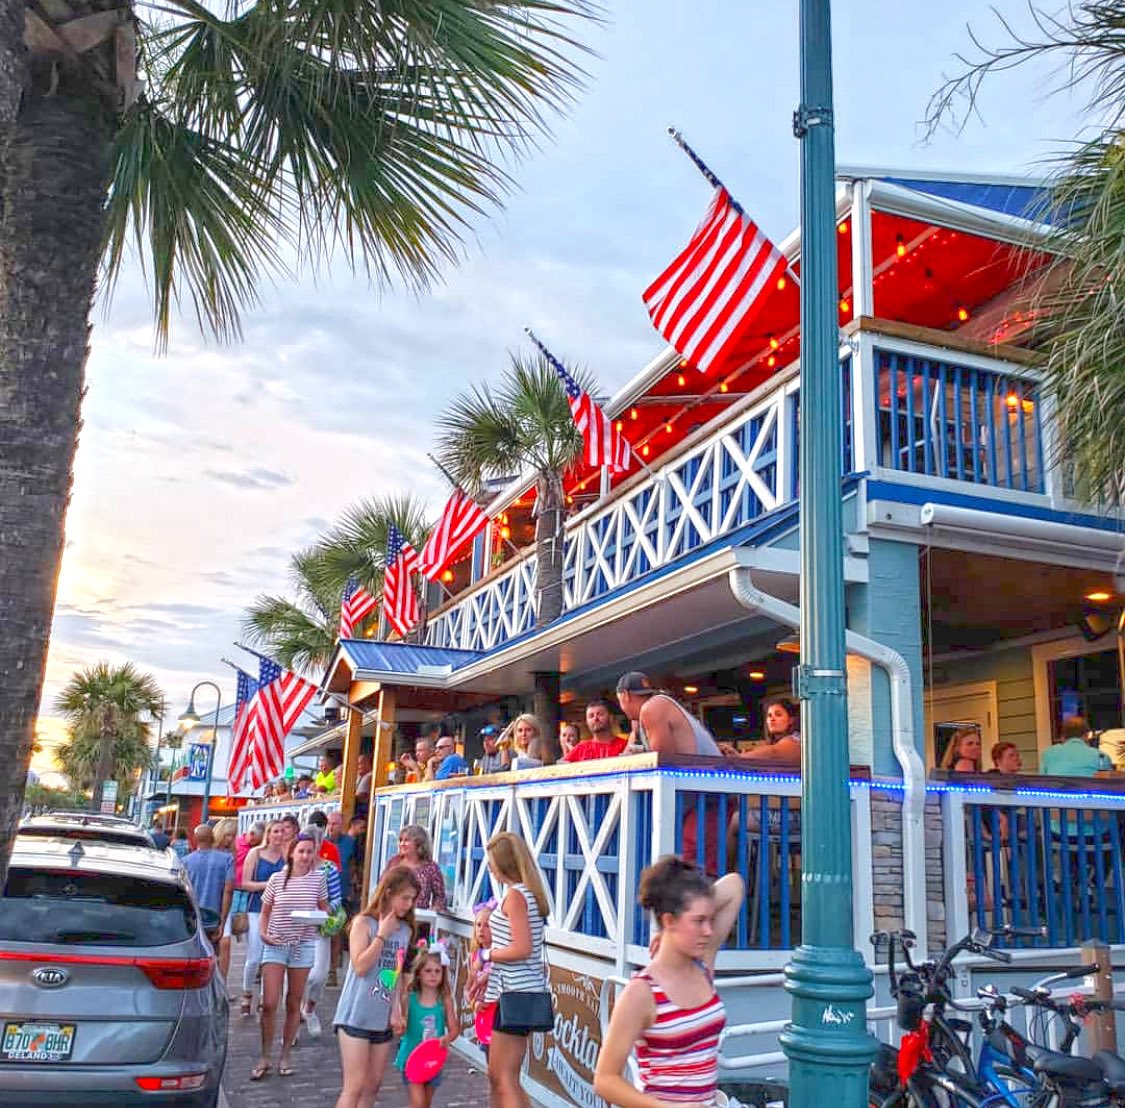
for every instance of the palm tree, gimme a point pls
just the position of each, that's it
(108, 739)
(216, 142)
(301, 633)
(1080, 303)
(525, 426)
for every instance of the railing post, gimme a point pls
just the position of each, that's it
(1102, 1027)
(956, 878)
(865, 430)
(627, 875)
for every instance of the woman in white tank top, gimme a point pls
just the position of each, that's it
(516, 954)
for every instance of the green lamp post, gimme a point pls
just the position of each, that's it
(188, 720)
(827, 1042)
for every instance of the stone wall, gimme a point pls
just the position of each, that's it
(886, 865)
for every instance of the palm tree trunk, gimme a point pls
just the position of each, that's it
(54, 174)
(106, 769)
(549, 547)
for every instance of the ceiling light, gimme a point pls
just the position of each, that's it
(691, 689)
(1099, 597)
(756, 675)
(791, 644)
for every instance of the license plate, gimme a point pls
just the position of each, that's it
(37, 1042)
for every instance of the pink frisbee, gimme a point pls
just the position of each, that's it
(425, 1061)
(482, 1023)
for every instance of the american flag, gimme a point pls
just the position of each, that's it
(605, 445)
(356, 606)
(274, 708)
(400, 601)
(462, 519)
(705, 301)
(241, 732)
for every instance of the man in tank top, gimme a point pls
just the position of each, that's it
(669, 728)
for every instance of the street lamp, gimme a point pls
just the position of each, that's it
(188, 720)
(827, 1042)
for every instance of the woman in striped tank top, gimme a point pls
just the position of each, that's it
(516, 955)
(670, 1013)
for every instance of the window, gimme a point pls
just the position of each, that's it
(1088, 685)
(106, 909)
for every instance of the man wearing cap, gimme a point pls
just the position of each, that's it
(669, 728)
(492, 760)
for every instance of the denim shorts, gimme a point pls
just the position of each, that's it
(363, 1033)
(300, 955)
(426, 1084)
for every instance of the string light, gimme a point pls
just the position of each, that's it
(683, 363)
(773, 342)
(681, 380)
(771, 361)
(668, 428)
(447, 576)
(723, 387)
(843, 227)
(900, 246)
(962, 313)
(781, 283)
(644, 450)
(633, 413)
(505, 532)
(620, 425)
(844, 305)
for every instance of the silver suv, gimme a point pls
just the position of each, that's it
(109, 990)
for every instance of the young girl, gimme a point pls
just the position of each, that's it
(516, 955)
(378, 942)
(479, 969)
(428, 1012)
(288, 947)
(670, 1013)
(261, 863)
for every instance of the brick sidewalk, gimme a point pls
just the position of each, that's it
(316, 1084)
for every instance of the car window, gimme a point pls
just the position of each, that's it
(102, 909)
(89, 834)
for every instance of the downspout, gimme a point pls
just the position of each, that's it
(902, 739)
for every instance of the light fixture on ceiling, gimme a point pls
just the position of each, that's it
(791, 644)
(756, 675)
(691, 690)
(1099, 597)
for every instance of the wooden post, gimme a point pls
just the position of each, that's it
(1102, 1027)
(349, 772)
(381, 755)
(546, 707)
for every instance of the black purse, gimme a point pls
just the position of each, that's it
(523, 1012)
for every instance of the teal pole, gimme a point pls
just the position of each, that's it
(827, 1042)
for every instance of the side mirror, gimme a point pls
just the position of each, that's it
(981, 937)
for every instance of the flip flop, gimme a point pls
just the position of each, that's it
(247, 1006)
(259, 1071)
(285, 1071)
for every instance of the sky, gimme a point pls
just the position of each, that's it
(201, 470)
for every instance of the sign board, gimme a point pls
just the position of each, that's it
(109, 797)
(199, 754)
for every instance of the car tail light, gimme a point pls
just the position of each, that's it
(177, 973)
(164, 973)
(185, 1083)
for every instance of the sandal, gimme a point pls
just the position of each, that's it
(247, 1005)
(261, 1070)
(286, 1070)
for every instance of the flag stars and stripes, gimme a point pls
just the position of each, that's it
(357, 604)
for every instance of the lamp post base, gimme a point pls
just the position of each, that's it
(828, 1045)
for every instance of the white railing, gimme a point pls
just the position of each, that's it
(912, 412)
(302, 809)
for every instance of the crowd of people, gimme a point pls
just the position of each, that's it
(1073, 753)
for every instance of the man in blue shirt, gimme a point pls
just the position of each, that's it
(448, 762)
(1071, 755)
(211, 873)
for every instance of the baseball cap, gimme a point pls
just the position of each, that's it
(636, 683)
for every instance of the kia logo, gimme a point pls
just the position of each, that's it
(50, 977)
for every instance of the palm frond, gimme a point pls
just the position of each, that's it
(378, 131)
(290, 635)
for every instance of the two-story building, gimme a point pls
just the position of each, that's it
(979, 596)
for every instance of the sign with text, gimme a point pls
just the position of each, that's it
(109, 797)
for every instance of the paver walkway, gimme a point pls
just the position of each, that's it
(316, 1084)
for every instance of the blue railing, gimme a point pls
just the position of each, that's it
(1056, 868)
(944, 419)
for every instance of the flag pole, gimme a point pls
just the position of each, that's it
(561, 369)
(340, 699)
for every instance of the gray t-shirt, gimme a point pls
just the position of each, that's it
(365, 1002)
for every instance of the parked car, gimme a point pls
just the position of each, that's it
(88, 826)
(109, 990)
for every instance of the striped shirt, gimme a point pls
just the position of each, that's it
(526, 975)
(678, 1055)
(302, 894)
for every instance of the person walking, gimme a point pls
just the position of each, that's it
(414, 851)
(159, 838)
(261, 863)
(671, 1013)
(428, 1012)
(367, 1015)
(322, 941)
(518, 982)
(211, 873)
(287, 954)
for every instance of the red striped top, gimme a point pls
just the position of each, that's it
(678, 1055)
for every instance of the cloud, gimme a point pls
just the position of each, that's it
(256, 478)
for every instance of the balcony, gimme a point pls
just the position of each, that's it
(922, 420)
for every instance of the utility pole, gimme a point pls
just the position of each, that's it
(827, 1043)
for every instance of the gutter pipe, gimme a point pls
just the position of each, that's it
(781, 611)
